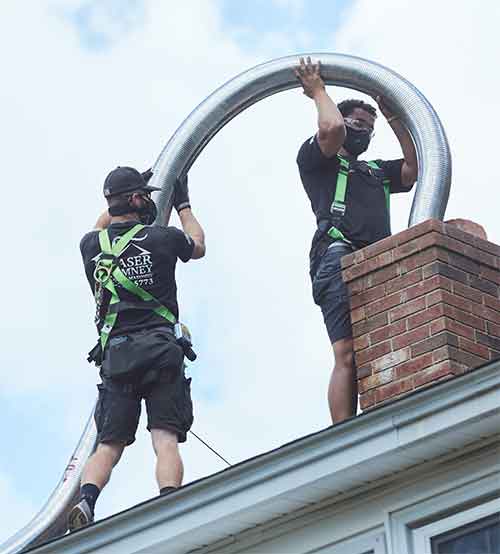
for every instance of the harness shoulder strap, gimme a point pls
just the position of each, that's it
(121, 243)
(108, 272)
(337, 208)
(385, 183)
(340, 189)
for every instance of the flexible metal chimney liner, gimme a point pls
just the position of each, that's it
(50, 521)
(195, 133)
(236, 95)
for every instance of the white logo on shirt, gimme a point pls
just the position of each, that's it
(137, 265)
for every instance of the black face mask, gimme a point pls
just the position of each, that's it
(147, 212)
(356, 141)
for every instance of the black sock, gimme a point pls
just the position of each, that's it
(166, 490)
(90, 492)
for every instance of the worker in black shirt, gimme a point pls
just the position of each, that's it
(350, 199)
(130, 265)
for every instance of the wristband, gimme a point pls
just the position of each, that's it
(182, 206)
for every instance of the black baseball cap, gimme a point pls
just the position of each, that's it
(127, 179)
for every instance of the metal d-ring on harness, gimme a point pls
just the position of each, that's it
(338, 207)
(108, 272)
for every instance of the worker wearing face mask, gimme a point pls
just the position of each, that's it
(130, 265)
(350, 200)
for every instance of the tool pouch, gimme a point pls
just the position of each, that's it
(128, 358)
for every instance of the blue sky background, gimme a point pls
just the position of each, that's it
(309, 26)
(247, 23)
(126, 15)
(89, 85)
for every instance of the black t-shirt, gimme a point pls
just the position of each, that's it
(366, 219)
(149, 260)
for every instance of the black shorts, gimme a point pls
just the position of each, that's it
(168, 405)
(330, 292)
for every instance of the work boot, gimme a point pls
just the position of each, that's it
(80, 515)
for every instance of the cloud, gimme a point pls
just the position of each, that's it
(101, 24)
(282, 27)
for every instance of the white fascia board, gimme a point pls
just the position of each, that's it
(340, 459)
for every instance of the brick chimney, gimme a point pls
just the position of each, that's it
(425, 306)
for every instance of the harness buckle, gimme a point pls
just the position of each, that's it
(337, 208)
(102, 273)
(106, 328)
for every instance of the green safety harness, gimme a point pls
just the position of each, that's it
(107, 274)
(338, 207)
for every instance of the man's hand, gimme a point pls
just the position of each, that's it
(103, 221)
(309, 76)
(331, 128)
(181, 194)
(382, 106)
(146, 175)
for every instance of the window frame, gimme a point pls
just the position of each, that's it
(422, 537)
(463, 530)
(404, 524)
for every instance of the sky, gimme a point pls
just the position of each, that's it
(91, 84)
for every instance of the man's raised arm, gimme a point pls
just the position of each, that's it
(409, 170)
(331, 128)
(189, 223)
(194, 230)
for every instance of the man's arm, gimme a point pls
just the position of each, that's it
(189, 223)
(331, 128)
(194, 230)
(103, 221)
(409, 169)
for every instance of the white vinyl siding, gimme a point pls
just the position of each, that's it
(367, 544)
